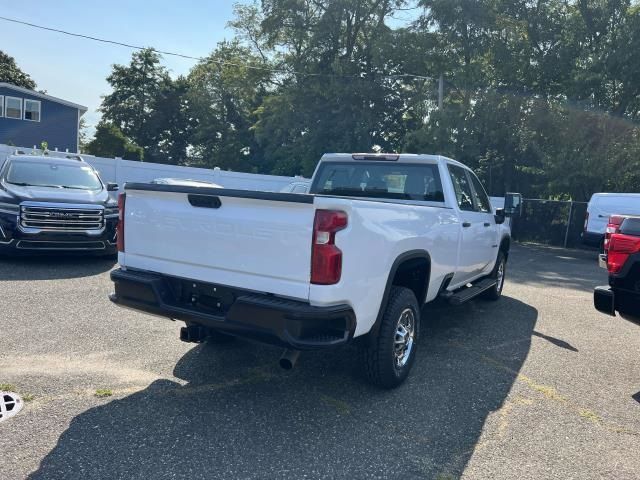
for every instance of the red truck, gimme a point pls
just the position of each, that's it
(622, 259)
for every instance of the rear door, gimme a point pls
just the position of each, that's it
(261, 243)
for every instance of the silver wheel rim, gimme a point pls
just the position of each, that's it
(404, 337)
(500, 276)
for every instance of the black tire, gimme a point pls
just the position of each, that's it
(495, 292)
(381, 362)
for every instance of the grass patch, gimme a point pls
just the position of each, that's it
(103, 392)
(589, 415)
(10, 387)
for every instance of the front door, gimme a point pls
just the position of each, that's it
(488, 238)
(477, 228)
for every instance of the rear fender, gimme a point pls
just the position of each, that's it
(407, 256)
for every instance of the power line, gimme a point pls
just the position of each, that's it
(205, 59)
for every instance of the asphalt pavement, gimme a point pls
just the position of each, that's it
(536, 385)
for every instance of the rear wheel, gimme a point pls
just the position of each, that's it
(389, 357)
(498, 273)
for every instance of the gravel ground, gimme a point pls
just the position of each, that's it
(536, 385)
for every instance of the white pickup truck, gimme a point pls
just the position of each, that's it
(377, 237)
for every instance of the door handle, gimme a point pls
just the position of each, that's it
(466, 224)
(487, 224)
(204, 201)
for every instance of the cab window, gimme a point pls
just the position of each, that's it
(482, 200)
(462, 188)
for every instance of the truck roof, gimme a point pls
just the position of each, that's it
(399, 157)
(614, 194)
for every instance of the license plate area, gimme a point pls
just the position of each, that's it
(202, 297)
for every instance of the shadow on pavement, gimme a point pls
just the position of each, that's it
(556, 341)
(238, 416)
(541, 266)
(53, 267)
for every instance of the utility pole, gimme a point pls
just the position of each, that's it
(440, 91)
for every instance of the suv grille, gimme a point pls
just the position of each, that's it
(62, 218)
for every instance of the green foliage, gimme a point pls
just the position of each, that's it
(11, 73)
(83, 136)
(539, 97)
(109, 141)
(149, 107)
(222, 99)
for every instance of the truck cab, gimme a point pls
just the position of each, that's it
(51, 204)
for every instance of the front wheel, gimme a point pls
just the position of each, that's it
(389, 357)
(498, 273)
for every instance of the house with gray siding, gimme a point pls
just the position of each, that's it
(28, 118)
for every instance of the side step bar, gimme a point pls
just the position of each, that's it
(467, 293)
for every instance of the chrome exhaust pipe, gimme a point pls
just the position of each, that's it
(288, 359)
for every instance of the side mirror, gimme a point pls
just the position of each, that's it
(500, 216)
(112, 187)
(513, 204)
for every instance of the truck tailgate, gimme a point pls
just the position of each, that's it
(252, 240)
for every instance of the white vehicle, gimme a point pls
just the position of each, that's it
(297, 187)
(185, 182)
(601, 207)
(379, 236)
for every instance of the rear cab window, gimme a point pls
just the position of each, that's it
(398, 181)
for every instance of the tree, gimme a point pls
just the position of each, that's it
(109, 141)
(224, 92)
(334, 92)
(138, 90)
(11, 73)
(169, 126)
(83, 136)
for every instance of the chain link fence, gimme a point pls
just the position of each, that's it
(550, 222)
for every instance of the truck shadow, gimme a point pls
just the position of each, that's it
(238, 416)
(555, 267)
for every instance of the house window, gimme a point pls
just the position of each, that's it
(13, 107)
(1, 106)
(32, 110)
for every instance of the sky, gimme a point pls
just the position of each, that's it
(75, 69)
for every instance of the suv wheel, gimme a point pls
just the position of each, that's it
(389, 357)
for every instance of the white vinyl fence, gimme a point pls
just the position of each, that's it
(121, 171)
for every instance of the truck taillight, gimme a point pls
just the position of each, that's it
(326, 258)
(612, 227)
(620, 247)
(120, 227)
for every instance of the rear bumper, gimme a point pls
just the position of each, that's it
(607, 300)
(261, 317)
